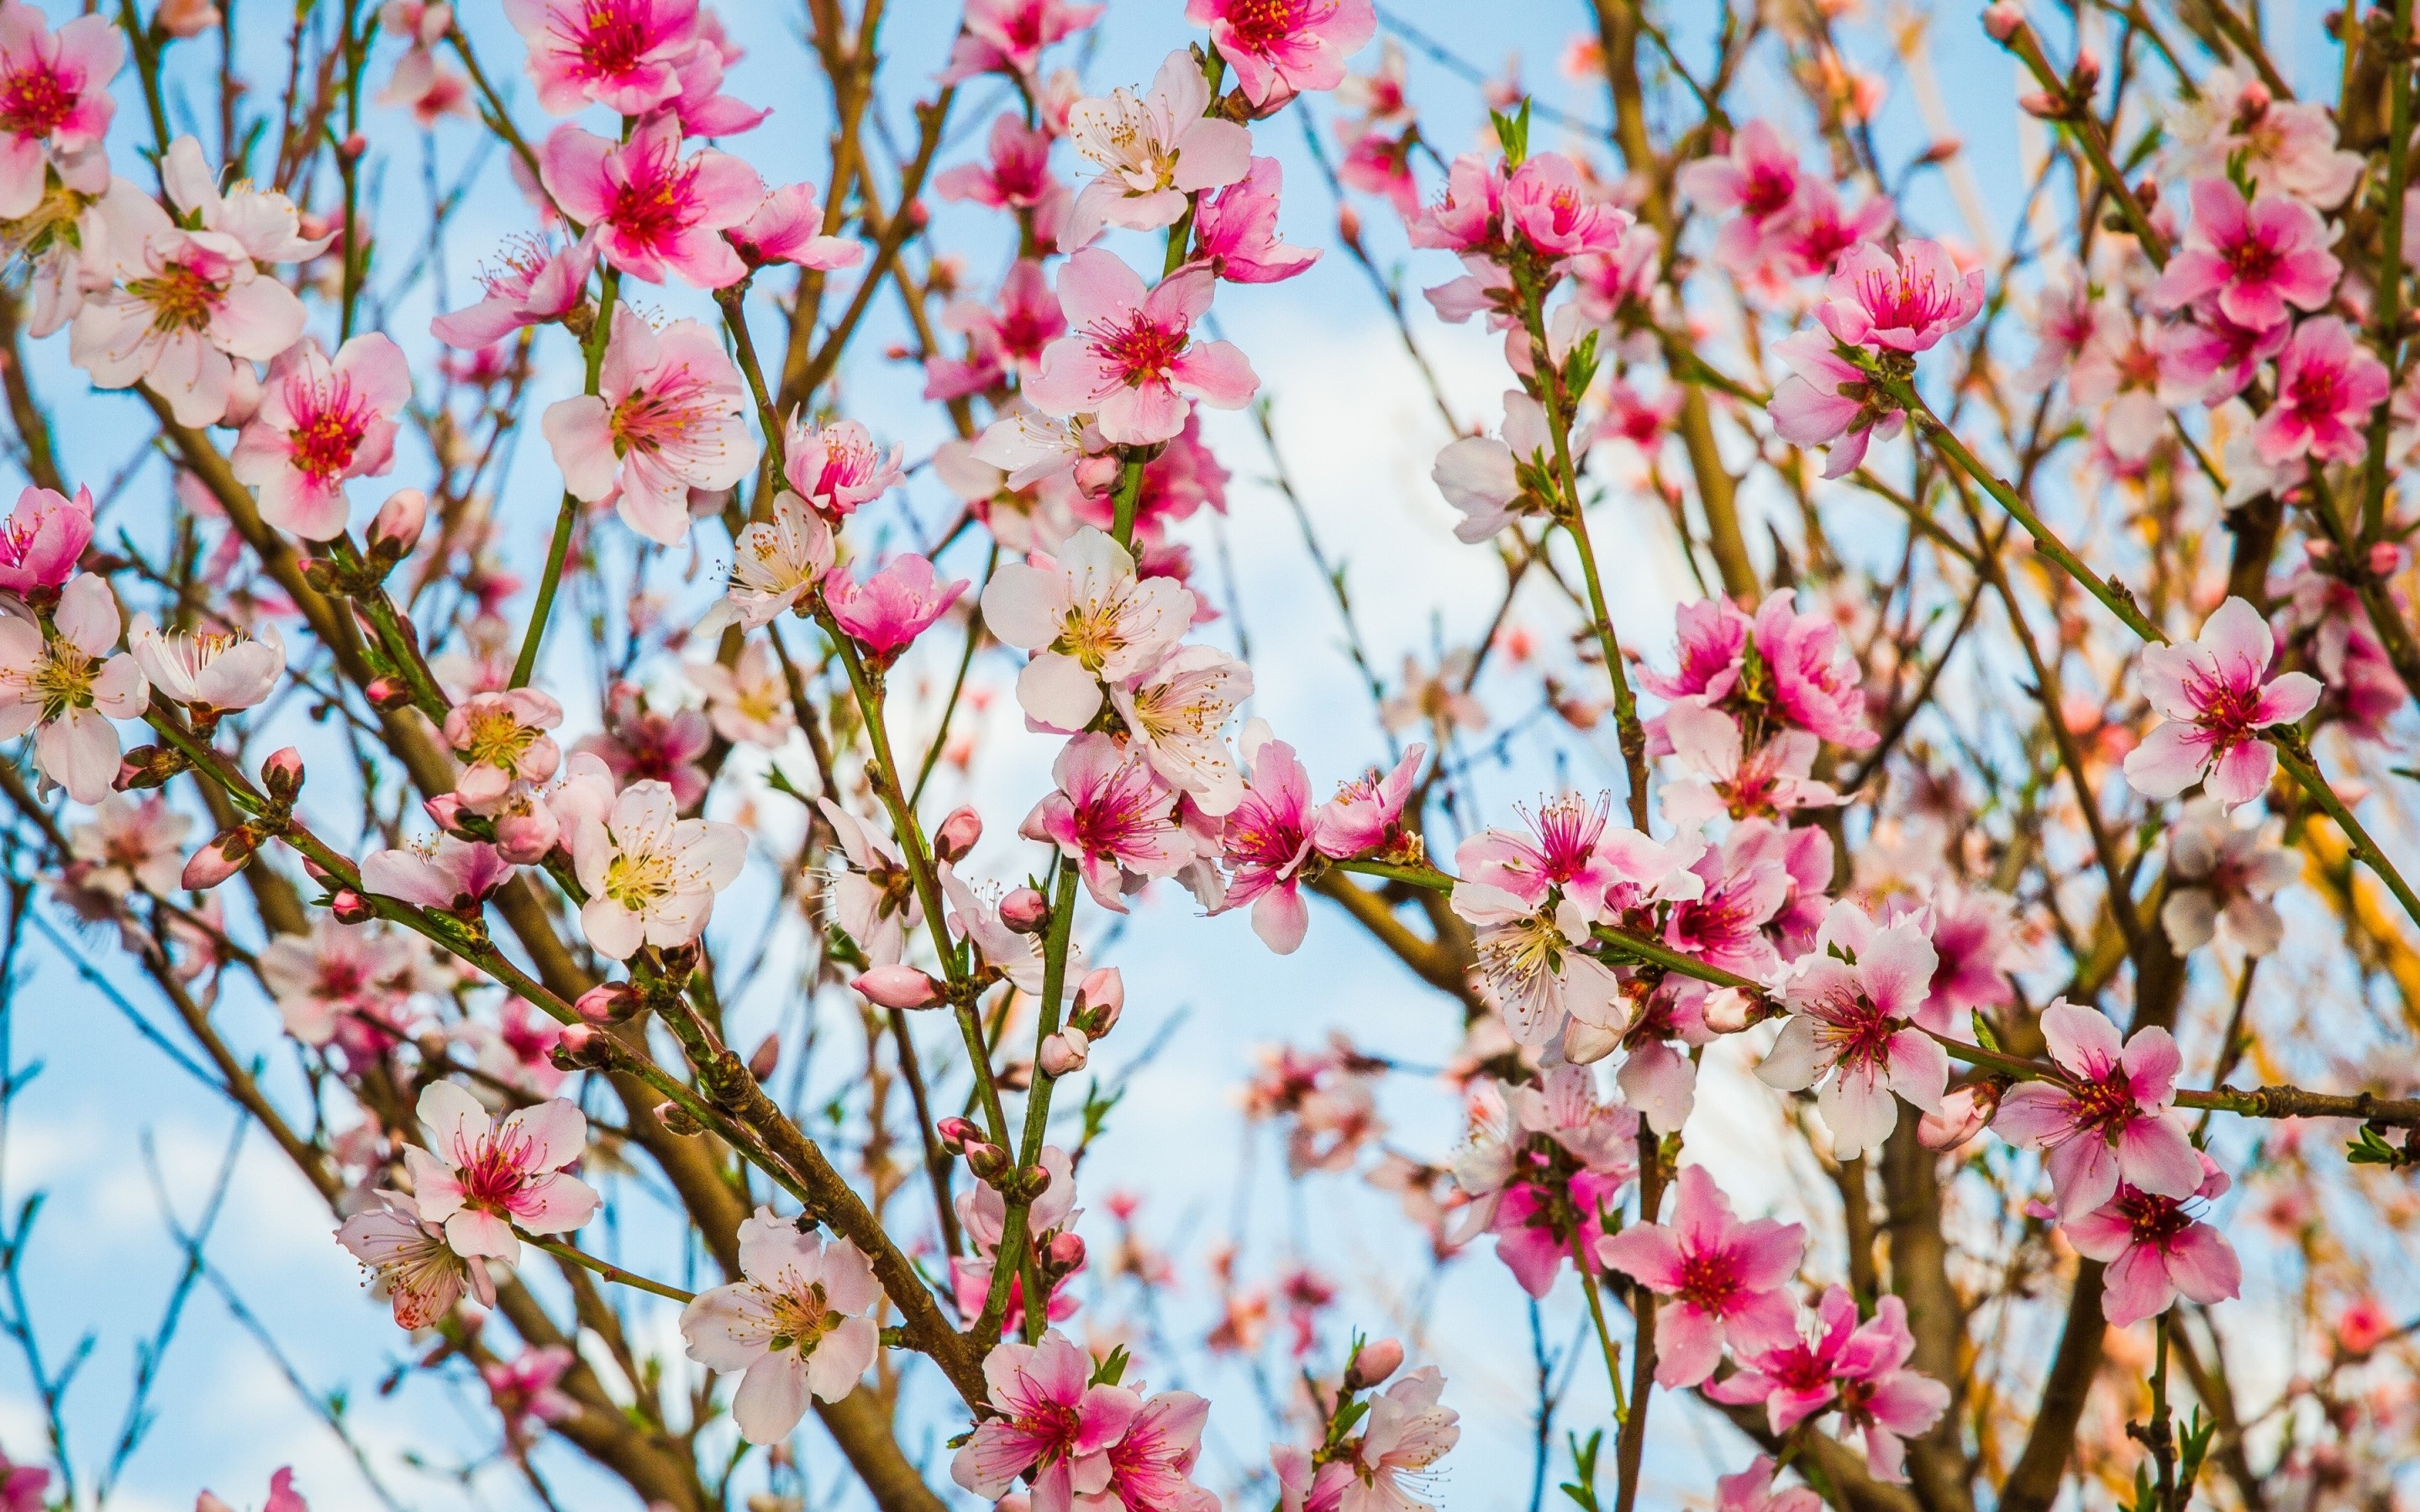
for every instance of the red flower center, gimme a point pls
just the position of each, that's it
(35, 102)
(1141, 351)
(1769, 192)
(324, 443)
(612, 38)
(1709, 1279)
(1261, 23)
(653, 208)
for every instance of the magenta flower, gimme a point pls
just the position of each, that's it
(1771, 780)
(1266, 841)
(1725, 923)
(1973, 934)
(1236, 230)
(1712, 643)
(1903, 305)
(1559, 212)
(1750, 193)
(1849, 1027)
(2211, 358)
(1532, 1243)
(533, 284)
(1816, 682)
(42, 539)
(1008, 35)
(1110, 813)
(1470, 216)
(1129, 352)
(837, 466)
(523, 1388)
(1017, 178)
(1570, 848)
(479, 1177)
(1716, 1268)
(1153, 1465)
(892, 606)
(643, 745)
(1366, 814)
(2158, 1249)
(2215, 696)
(319, 422)
(2256, 258)
(1751, 1491)
(1826, 401)
(1010, 339)
(1052, 1422)
(670, 414)
(54, 104)
(788, 227)
(1809, 243)
(2110, 1120)
(1282, 48)
(623, 54)
(1858, 1369)
(651, 209)
(2328, 386)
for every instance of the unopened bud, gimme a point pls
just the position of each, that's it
(1374, 1363)
(956, 1134)
(1026, 911)
(988, 1163)
(611, 1003)
(526, 834)
(447, 810)
(222, 858)
(767, 1055)
(2042, 104)
(1964, 1113)
(185, 18)
(282, 774)
(395, 530)
(957, 834)
(1098, 475)
(350, 907)
(1586, 1043)
(2003, 20)
(1065, 1052)
(2087, 72)
(387, 692)
(901, 986)
(679, 1118)
(1349, 225)
(1729, 1011)
(576, 1047)
(148, 767)
(2385, 559)
(1066, 1255)
(352, 147)
(1100, 999)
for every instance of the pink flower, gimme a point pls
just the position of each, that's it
(1266, 841)
(1377, 163)
(1751, 1491)
(788, 227)
(1366, 814)
(2211, 358)
(1017, 178)
(340, 979)
(523, 1388)
(1713, 643)
(1903, 305)
(2215, 696)
(1751, 193)
(836, 468)
(211, 673)
(892, 606)
(1811, 241)
(1175, 712)
(183, 307)
(2110, 1119)
(501, 739)
(426, 87)
(1560, 215)
(2157, 1249)
(54, 104)
(2283, 146)
(2220, 879)
(1716, 1268)
(42, 540)
(1152, 1467)
(456, 876)
(67, 686)
(640, 745)
(621, 53)
(1849, 1027)
(1128, 353)
(1770, 782)
(1052, 1422)
(23, 1487)
(1111, 813)
(319, 424)
(1008, 35)
(1572, 852)
(410, 1257)
(1858, 1368)
(1087, 619)
(1281, 48)
(1973, 933)
(282, 1497)
(1236, 229)
(651, 209)
(1406, 1432)
(651, 875)
(1725, 924)
(1470, 215)
(1009, 340)
(1534, 967)
(1816, 682)
(2256, 258)
(479, 1177)
(1826, 401)
(2328, 387)
(794, 1324)
(779, 561)
(670, 414)
(1155, 151)
(534, 283)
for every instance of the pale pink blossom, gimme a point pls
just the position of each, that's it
(453, 876)
(2215, 696)
(533, 283)
(2254, 258)
(1726, 922)
(2234, 124)
(1750, 194)
(1282, 48)
(1366, 813)
(347, 978)
(1236, 229)
(795, 1325)
(777, 563)
(1129, 352)
(1717, 1270)
(501, 739)
(1087, 619)
(1155, 151)
(1266, 841)
(1017, 178)
(1772, 781)
(1559, 213)
(480, 1176)
(209, 672)
(319, 422)
(1573, 854)
(651, 210)
(749, 702)
(1973, 934)
(1824, 401)
(837, 468)
(651, 875)
(1408, 1430)
(1176, 711)
(1494, 482)
(1534, 967)
(42, 539)
(1903, 303)
(410, 1261)
(872, 898)
(2110, 1119)
(54, 104)
(2221, 877)
(623, 55)
(891, 608)
(1008, 35)
(788, 227)
(2158, 1249)
(428, 87)
(1469, 217)
(1751, 1491)
(264, 223)
(670, 414)
(128, 844)
(1812, 239)
(640, 744)
(1849, 1027)
(523, 1389)
(1151, 1468)
(1052, 1423)
(2328, 388)
(1110, 813)
(1000, 342)
(67, 684)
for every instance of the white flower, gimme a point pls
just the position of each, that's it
(794, 1325)
(748, 701)
(264, 222)
(1029, 446)
(1087, 619)
(1176, 710)
(1531, 968)
(779, 561)
(651, 875)
(872, 900)
(1153, 152)
(71, 684)
(1480, 475)
(213, 672)
(2220, 879)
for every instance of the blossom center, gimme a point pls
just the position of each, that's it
(638, 881)
(330, 433)
(1139, 351)
(182, 297)
(1260, 25)
(496, 1171)
(64, 680)
(36, 102)
(801, 1318)
(612, 38)
(496, 739)
(1710, 1279)
(652, 208)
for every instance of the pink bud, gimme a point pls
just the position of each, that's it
(222, 858)
(2037, 102)
(387, 692)
(2087, 71)
(352, 147)
(1963, 1114)
(766, 1057)
(576, 1041)
(1025, 911)
(2385, 559)
(608, 1004)
(959, 833)
(350, 907)
(1376, 1361)
(525, 835)
(448, 808)
(987, 1163)
(1066, 1254)
(1100, 1000)
(1065, 1052)
(185, 18)
(956, 1134)
(1098, 475)
(1729, 1011)
(1586, 1043)
(399, 521)
(2002, 20)
(282, 774)
(316, 872)
(900, 986)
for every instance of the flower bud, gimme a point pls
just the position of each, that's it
(387, 692)
(2003, 20)
(319, 874)
(987, 1163)
(1586, 1043)
(1964, 1113)
(526, 834)
(1026, 911)
(352, 146)
(767, 1057)
(1096, 475)
(350, 907)
(957, 834)
(611, 1003)
(222, 858)
(1065, 1052)
(2385, 559)
(447, 810)
(1099, 1001)
(956, 1134)
(677, 1118)
(1374, 1363)
(1729, 1011)
(397, 528)
(2041, 103)
(1066, 1255)
(148, 767)
(576, 1047)
(900, 986)
(185, 18)
(282, 775)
